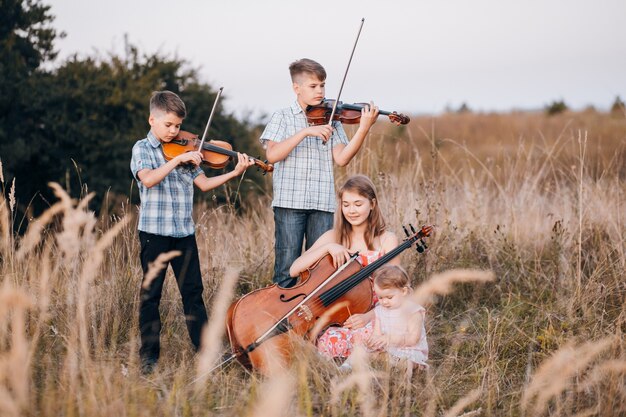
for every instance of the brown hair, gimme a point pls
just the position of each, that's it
(391, 276)
(376, 225)
(167, 102)
(306, 66)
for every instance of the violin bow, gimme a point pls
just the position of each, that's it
(345, 74)
(206, 129)
(219, 365)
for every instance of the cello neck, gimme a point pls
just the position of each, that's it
(332, 294)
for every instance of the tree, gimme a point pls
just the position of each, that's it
(76, 124)
(618, 107)
(26, 42)
(93, 111)
(556, 107)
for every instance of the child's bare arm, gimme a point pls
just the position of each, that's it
(325, 244)
(277, 151)
(377, 340)
(356, 321)
(151, 177)
(205, 183)
(390, 242)
(343, 154)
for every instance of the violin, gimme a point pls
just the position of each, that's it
(215, 153)
(259, 323)
(346, 113)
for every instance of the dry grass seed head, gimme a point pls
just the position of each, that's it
(275, 396)
(12, 196)
(600, 372)
(78, 233)
(8, 406)
(468, 399)
(322, 321)
(14, 302)
(5, 228)
(214, 330)
(158, 265)
(553, 375)
(361, 377)
(35, 230)
(441, 283)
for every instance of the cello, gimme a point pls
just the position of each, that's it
(258, 324)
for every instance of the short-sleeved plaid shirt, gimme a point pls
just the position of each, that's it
(304, 180)
(166, 207)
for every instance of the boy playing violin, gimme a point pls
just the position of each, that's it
(304, 190)
(166, 223)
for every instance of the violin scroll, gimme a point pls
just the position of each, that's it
(399, 118)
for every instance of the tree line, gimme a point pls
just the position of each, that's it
(75, 123)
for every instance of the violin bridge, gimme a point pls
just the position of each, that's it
(305, 312)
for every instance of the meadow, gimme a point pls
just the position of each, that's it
(523, 281)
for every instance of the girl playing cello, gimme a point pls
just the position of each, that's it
(359, 226)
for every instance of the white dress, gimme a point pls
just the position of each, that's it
(396, 322)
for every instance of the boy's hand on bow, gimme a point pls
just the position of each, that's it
(191, 157)
(323, 132)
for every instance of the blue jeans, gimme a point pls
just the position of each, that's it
(292, 227)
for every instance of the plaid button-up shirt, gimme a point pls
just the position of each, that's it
(166, 207)
(304, 180)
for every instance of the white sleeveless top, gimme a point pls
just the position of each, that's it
(395, 322)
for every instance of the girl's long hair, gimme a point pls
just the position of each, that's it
(376, 225)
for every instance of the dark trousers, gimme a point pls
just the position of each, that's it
(292, 228)
(186, 268)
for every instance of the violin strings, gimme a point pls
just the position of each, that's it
(332, 294)
(287, 316)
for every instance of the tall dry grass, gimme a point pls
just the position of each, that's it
(539, 202)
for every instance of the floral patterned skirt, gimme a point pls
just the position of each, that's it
(338, 342)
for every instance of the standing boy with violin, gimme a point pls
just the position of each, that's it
(166, 223)
(304, 190)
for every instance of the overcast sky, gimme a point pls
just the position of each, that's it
(414, 56)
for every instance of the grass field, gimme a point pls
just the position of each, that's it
(539, 201)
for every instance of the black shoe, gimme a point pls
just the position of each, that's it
(148, 366)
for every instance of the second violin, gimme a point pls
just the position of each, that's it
(215, 153)
(346, 113)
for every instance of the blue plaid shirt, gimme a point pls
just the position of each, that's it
(304, 180)
(166, 207)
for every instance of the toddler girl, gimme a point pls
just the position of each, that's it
(398, 321)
